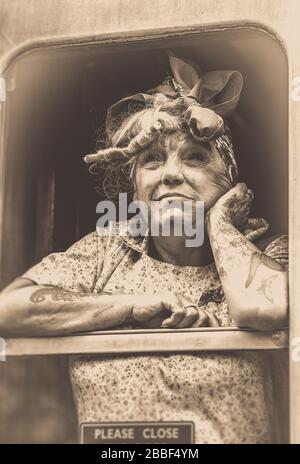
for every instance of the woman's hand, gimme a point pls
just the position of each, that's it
(27, 309)
(234, 206)
(170, 310)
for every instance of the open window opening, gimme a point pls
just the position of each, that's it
(54, 115)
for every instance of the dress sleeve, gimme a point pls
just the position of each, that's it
(76, 269)
(278, 249)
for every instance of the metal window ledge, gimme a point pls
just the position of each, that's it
(148, 341)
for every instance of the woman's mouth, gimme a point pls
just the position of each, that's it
(172, 196)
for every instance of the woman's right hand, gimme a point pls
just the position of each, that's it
(27, 309)
(169, 310)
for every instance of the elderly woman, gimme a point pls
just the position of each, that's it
(171, 143)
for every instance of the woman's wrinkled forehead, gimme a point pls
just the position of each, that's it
(170, 142)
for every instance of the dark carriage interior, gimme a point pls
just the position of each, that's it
(55, 109)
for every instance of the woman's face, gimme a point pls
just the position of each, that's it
(177, 167)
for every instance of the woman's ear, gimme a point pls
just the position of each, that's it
(134, 195)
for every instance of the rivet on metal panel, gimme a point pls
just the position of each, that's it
(279, 338)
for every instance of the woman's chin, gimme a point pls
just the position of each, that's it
(172, 224)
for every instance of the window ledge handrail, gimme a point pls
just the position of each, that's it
(148, 341)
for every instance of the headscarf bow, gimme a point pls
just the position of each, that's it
(209, 97)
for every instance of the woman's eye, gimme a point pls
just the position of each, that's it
(201, 157)
(152, 158)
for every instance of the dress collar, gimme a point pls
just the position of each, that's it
(139, 243)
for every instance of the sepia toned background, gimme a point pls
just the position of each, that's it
(35, 397)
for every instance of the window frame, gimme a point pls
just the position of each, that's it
(232, 338)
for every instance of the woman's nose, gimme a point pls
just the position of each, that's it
(172, 174)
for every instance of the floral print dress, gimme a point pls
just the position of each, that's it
(227, 395)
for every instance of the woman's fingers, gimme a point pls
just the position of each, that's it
(202, 317)
(202, 320)
(171, 310)
(190, 309)
(171, 302)
(213, 321)
(156, 321)
(184, 313)
(181, 316)
(174, 319)
(190, 316)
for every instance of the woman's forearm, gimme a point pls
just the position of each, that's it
(256, 286)
(46, 310)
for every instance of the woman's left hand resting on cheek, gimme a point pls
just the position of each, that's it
(255, 285)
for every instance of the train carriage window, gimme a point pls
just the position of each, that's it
(57, 97)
